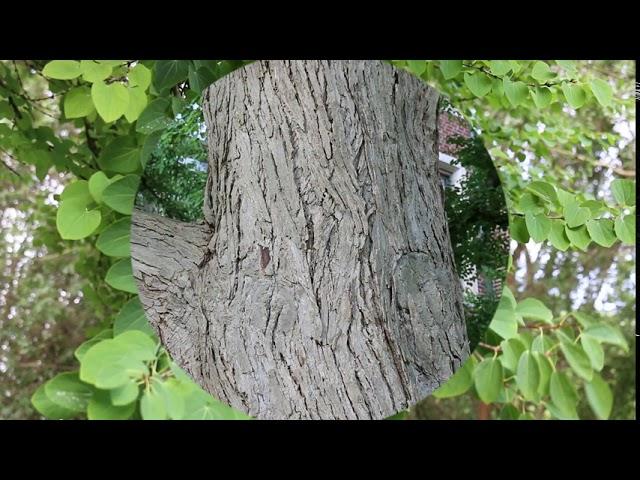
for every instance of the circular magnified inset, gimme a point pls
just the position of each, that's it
(301, 240)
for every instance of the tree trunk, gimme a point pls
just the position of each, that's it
(322, 282)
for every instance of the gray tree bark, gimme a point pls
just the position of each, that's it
(322, 282)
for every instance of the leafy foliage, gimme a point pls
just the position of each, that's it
(546, 358)
(478, 222)
(175, 174)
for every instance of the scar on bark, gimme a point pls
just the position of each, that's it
(265, 258)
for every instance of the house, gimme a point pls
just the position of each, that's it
(451, 125)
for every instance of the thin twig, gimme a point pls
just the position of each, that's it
(9, 166)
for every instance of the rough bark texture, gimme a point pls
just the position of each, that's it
(322, 282)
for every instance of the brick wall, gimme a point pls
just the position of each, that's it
(450, 126)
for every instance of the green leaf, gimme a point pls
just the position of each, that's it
(150, 143)
(516, 92)
(535, 309)
(173, 392)
(624, 191)
(557, 236)
(115, 240)
(109, 365)
(564, 197)
(459, 383)
(85, 346)
(498, 92)
(578, 237)
(77, 191)
(200, 78)
(101, 408)
(98, 182)
(121, 155)
(563, 396)
(574, 94)
(67, 391)
(200, 406)
(42, 159)
(538, 226)
(541, 344)
(74, 221)
(546, 369)
(94, 71)
(417, 67)
(500, 67)
(121, 194)
(6, 111)
(113, 63)
(565, 334)
(77, 103)
(139, 76)
(509, 412)
(49, 409)
(140, 345)
(132, 317)
(559, 414)
(154, 117)
(544, 190)
(169, 73)
(478, 83)
(497, 152)
(120, 276)
(181, 375)
(541, 72)
(602, 91)
(507, 300)
(584, 320)
(607, 334)
(152, 405)
(594, 351)
(541, 96)
(518, 229)
(137, 104)
(504, 323)
(111, 100)
(574, 215)
(516, 66)
(62, 69)
(512, 349)
(125, 394)
(577, 359)
(601, 231)
(178, 105)
(568, 65)
(488, 379)
(595, 207)
(625, 228)
(528, 376)
(112, 363)
(599, 396)
(450, 68)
